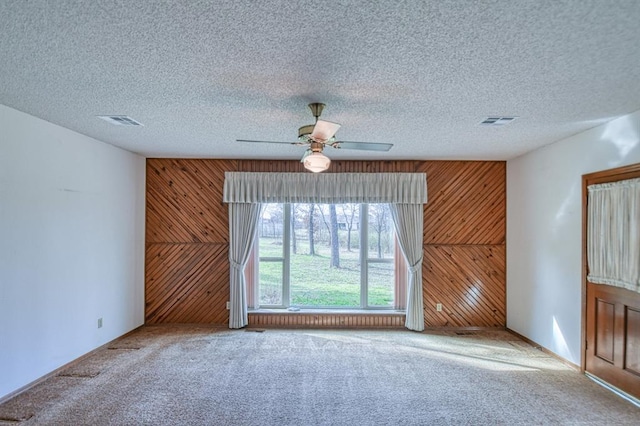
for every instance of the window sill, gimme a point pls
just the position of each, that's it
(385, 312)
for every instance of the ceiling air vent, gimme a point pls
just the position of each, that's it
(120, 120)
(497, 121)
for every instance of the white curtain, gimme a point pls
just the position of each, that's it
(613, 234)
(243, 220)
(392, 188)
(408, 221)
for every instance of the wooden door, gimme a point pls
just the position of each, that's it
(611, 315)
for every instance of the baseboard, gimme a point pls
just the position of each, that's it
(57, 371)
(545, 350)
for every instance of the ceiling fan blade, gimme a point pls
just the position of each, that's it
(288, 143)
(305, 155)
(324, 130)
(363, 146)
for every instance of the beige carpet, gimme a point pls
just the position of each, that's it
(197, 375)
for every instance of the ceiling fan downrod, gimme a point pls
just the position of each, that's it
(316, 109)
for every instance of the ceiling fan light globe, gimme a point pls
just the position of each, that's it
(317, 162)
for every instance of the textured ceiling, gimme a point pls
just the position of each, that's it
(418, 74)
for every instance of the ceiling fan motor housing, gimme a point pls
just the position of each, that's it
(316, 147)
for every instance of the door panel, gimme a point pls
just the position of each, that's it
(605, 320)
(613, 336)
(632, 350)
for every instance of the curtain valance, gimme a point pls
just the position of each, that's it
(394, 188)
(613, 234)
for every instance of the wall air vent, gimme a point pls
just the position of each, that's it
(120, 120)
(497, 121)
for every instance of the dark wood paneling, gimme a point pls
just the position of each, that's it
(469, 282)
(467, 202)
(186, 283)
(466, 211)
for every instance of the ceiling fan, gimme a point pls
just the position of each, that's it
(317, 136)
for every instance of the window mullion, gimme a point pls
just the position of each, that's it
(364, 248)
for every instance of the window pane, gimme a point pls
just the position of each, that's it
(381, 284)
(271, 283)
(380, 255)
(381, 232)
(270, 231)
(322, 273)
(271, 254)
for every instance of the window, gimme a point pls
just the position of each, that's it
(325, 256)
(247, 193)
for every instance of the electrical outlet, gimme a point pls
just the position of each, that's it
(99, 322)
(439, 307)
(228, 306)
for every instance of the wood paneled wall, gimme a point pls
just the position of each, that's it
(187, 242)
(187, 271)
(464, 264)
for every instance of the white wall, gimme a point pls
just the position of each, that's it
(71, 246)
(544, 230)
